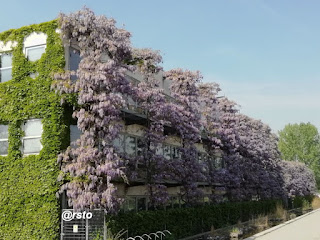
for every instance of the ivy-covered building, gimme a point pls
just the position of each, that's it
(33, 131)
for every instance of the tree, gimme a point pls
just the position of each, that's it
(301, 142)
(298, 179)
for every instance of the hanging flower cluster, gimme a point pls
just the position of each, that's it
(151, 98)
(253, 167)
(94, 164)
(185, 118)
(193, 112)
(298, 179)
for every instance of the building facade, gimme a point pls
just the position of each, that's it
(35, 128)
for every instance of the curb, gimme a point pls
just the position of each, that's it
(280, 226)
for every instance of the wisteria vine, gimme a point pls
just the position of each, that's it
(194, 112)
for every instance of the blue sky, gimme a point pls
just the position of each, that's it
(264, 54)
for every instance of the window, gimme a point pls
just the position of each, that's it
(34, 75)
(75, 133)
(159, 150)
(4, 144)
(35, 53)
(130, 145)
(135, 203)
(171, 152)
(166, 152)
(119, 143)
(31, 142)
(141, 203)
(130, 204)
(74, 61)
(175, 153)
(133, 146)
(218, 162)
(140, 146)
(5, 67)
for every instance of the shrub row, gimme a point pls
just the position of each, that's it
(298, 201)
(183, 222)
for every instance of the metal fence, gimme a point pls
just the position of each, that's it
(83, 225)
(91, 225)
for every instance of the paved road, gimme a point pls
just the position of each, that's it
(306, 227)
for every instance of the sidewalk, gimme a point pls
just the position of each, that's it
(306, 227)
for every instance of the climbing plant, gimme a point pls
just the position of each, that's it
(28, 204)
(96, 99)
(90, 170)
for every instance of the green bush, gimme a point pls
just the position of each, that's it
(302, 201)
(183, 222)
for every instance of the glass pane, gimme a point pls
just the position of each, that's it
(32, 128)
(5, 75)
(74, 133)
(218, 163)
(159, 150)
(34, 75)
(130, 204)
(4, 132)
(119, 143)
(6, 60)
(32, 145)
(199, 156)
(4, 147)
(166, 152)
(130, 145)
(139, 146)
(74, 62)
(141, 204)
(34, 54)
(175, 152)
(74, 59)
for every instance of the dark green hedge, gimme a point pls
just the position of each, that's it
(183, 222)
(29, 208)
(298, 201)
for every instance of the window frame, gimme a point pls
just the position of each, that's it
(26, 49)
(73, 51)
(135, 201)
(5, 139)
(73, 142)
(31, 137)
(124, 145)
(6, 68)
(135, 145)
